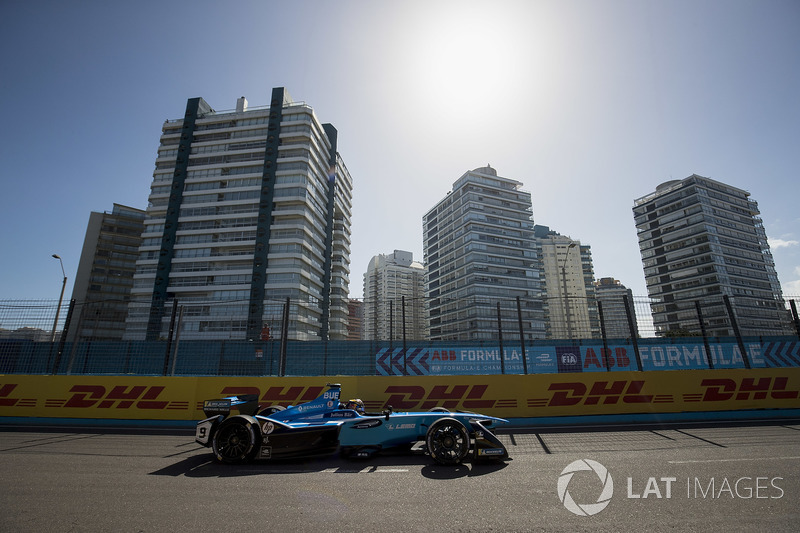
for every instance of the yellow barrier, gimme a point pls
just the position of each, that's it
(509, 396)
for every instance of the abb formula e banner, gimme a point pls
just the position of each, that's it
(692, 355)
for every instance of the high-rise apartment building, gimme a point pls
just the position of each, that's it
(568, 286)
(480, 251)
(701, 240)
(394, 289)
(248, 208)
(104, 278)
(355, 320)
(611, 294)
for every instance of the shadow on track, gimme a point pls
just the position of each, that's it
(204, 465)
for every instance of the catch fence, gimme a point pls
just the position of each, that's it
(90, 338)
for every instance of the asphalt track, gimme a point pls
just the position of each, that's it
(674, 478)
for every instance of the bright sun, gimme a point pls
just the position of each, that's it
(473, 57)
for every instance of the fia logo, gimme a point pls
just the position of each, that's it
(569, 359)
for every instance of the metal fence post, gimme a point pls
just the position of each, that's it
(63, 338)
(705, 336)
(284, 340)
(170, 334)
(74, 346)
(177, 341)
(632, 330)
(795, 318)
(736, 331)
(403, 315)
(605, 357)
(500, 338)
(391, 324)
(325, 358)
(522, 338)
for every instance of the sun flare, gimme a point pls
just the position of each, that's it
(470, 59)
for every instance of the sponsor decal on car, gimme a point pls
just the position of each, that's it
(491, 451)
(217, 405)
(366, 424)
(341, 414)
(392, 427)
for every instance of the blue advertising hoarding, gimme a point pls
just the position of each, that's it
(691, 355)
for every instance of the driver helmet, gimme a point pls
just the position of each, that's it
(355, 404)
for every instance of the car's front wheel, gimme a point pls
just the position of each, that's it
(447, 441)
(236, 440)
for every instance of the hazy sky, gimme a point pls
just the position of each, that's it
(591, 104)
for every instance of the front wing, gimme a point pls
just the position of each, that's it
(363, 437)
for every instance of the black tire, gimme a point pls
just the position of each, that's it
(439, 410)
(447, 441)
(236, 441)
(271, 410)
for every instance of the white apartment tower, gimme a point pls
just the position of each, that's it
(480, 251)
(394, 289)
(702, 240)
(248, 209)
(569, 286)
(611, 293)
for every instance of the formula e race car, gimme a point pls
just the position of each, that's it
(325, 425)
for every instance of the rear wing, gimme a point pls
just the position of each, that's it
(247, 404)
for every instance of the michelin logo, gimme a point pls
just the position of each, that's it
(491, 451)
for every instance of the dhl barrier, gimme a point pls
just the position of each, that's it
(510, 396)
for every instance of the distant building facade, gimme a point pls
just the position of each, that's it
(355, 324)
(26, 333)
(247, 208)
(568, 285)
(700, 240)
(105, 273)
(480, 251)
(392, 281)
(611, 294)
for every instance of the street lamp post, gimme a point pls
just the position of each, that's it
(566, 297)
(60, 298)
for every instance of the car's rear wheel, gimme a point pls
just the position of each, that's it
(236, 440)
(447, 441)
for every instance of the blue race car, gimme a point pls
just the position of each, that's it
(325, 425)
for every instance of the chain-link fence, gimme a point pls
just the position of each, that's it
(497, 336)
(108, 320)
